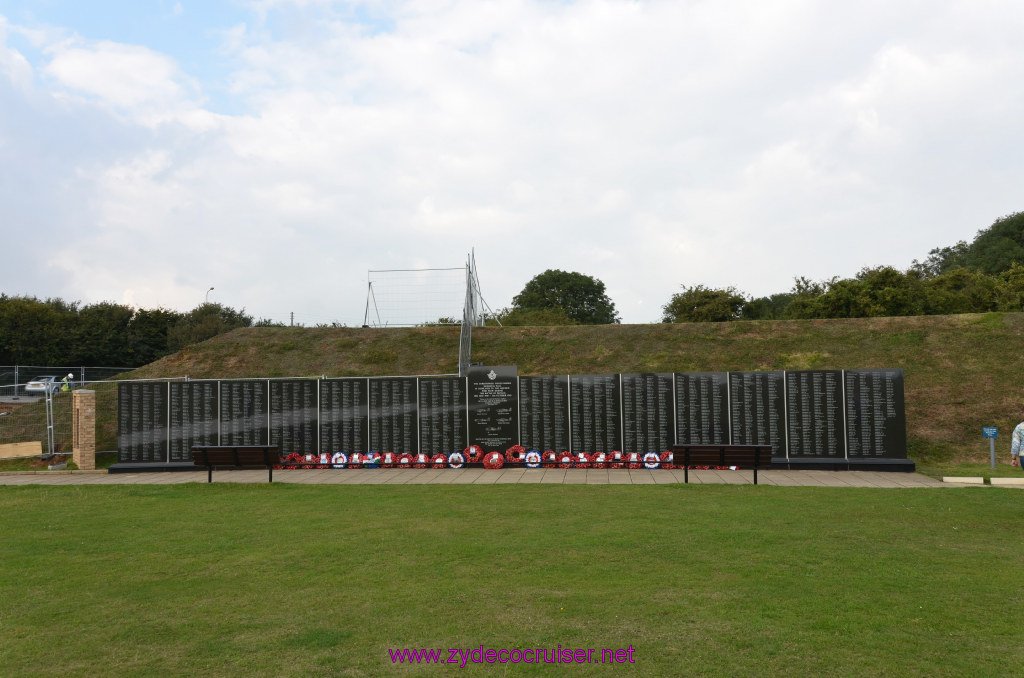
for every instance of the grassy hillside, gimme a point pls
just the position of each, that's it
(961, 371)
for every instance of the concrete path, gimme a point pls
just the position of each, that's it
(476, 476)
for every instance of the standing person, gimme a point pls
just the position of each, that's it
(66, 381)
(1017, 443)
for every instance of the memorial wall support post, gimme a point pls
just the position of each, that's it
(84, 426)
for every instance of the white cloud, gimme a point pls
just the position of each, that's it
(145, 86)
(650, 144)
(127, 76)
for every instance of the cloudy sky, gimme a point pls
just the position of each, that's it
(278, 150)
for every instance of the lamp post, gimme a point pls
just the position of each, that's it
(207, 300)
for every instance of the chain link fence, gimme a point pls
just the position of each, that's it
(23, 427)
(23, 417)
(14, 377)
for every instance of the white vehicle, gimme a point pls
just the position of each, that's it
(43, 385)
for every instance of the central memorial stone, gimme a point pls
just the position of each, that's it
(494, 406)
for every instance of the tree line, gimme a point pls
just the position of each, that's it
(984, 275)
(57, 332)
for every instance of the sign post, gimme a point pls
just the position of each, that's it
(991, 432)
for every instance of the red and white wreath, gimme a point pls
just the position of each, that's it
(438, 461)
(515, 454)
(494, 460)
(474, 454)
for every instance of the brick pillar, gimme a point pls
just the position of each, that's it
(84, 425)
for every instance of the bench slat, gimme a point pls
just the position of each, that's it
(236, 456)
(741, 456)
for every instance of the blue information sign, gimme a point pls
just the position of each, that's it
(990, 431)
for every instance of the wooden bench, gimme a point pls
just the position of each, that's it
(741, 456)
(240, 456)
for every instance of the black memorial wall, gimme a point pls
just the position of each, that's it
(855, 415)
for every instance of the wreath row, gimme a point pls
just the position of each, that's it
(475, 455)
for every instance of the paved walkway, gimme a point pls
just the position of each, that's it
(477, 476)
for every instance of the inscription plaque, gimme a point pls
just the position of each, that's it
(544, 413)
(392, 418)
(647, 413)
(702, 413)
(243, 412)
(142, 422)
(757, 410)
(875, 421)
(814, 409)
(442, 415)
(596, 418)
(194, 419)
(293, 416)
(493, 407)
(344, 416)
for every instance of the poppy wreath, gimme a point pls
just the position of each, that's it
(356, 460)
(599, 460)
(292, 459)
(339, 460)
(634, 460)
(456, 460)
(421, 461)
(666, 460)
(550, 459)
(438, 461)
(404, 460)
(652, 460)
(515, 454)
(583, 460)
(474, 454)
(616, 460)
(532, 459)
(388, 460)
(565, 460)
(371, 460)
(494, 460)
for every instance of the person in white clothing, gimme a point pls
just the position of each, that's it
(1017, 444)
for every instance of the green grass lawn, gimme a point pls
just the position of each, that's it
(287, 580)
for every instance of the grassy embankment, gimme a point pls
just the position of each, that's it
(960, 371)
